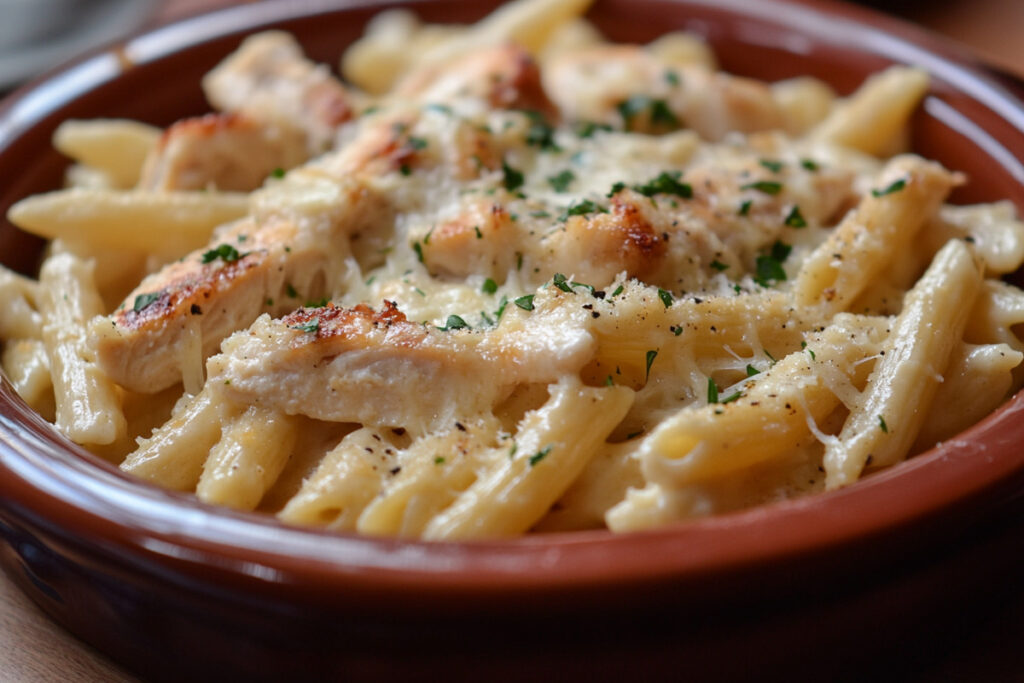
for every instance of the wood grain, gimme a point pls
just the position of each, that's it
(34, 650)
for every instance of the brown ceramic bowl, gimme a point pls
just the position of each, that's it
(177, 590)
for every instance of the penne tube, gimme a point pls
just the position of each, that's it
(88, 405)
(885, 422)
(169, 224)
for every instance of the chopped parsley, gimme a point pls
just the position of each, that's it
(519, 260)
(418, 248)
(501, 307)
(479, 235)
(657, 110)
(651, 355)
(751, 370)
(145, 300)
(290, 291)
(618, 290)
(780, 251)
(513, 179)
(731, 397)
(765, 186)
(745, 207)
(277, 173)
(539, 455)
(559, 281)
(803, 347)
(894, 187)
(881, 425)
(562, 181)
(583, 207)
(310, 327)
(616, 188)
(666, 297)
(225, 252)
(316, 304)
(439, 460)
(588, 128)
(525, 302)
(809, 164)
(417, 143)
(608, 382)
(454, 322)
(666, 183)
(712, 391)
(539, 133)
(719, 266)
(772, 165)
(769, 266)
(489, 286)
(795, 219)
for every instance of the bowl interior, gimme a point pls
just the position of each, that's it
(967, 123)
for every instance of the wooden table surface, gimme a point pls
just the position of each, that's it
(34, 650)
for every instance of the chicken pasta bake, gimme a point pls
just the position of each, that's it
(511, 278)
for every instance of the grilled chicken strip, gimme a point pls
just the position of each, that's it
(270, 80)
(222, 151)
(270, 262)
(355, 364)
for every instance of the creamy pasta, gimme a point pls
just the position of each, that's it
(510, 278)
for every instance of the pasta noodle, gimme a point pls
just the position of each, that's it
(511, 278)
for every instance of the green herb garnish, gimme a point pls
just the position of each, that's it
(539, 455)
(651, 355)
(894, 187)
(454, 322)
(561, 182)
(712, 391)
(525, 302)
(666, 183)
(224, 252)
(144, 300)
(666, 297)
(588, 128)
(539, 133)
(766, 186)
(637, 105)
(489, 286)
(513, 178)
(582, 208)
(795, 219)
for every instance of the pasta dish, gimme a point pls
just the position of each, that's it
(511, 278)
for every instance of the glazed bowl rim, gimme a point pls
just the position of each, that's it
(59, 486)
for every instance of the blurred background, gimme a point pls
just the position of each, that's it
(38, 34)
